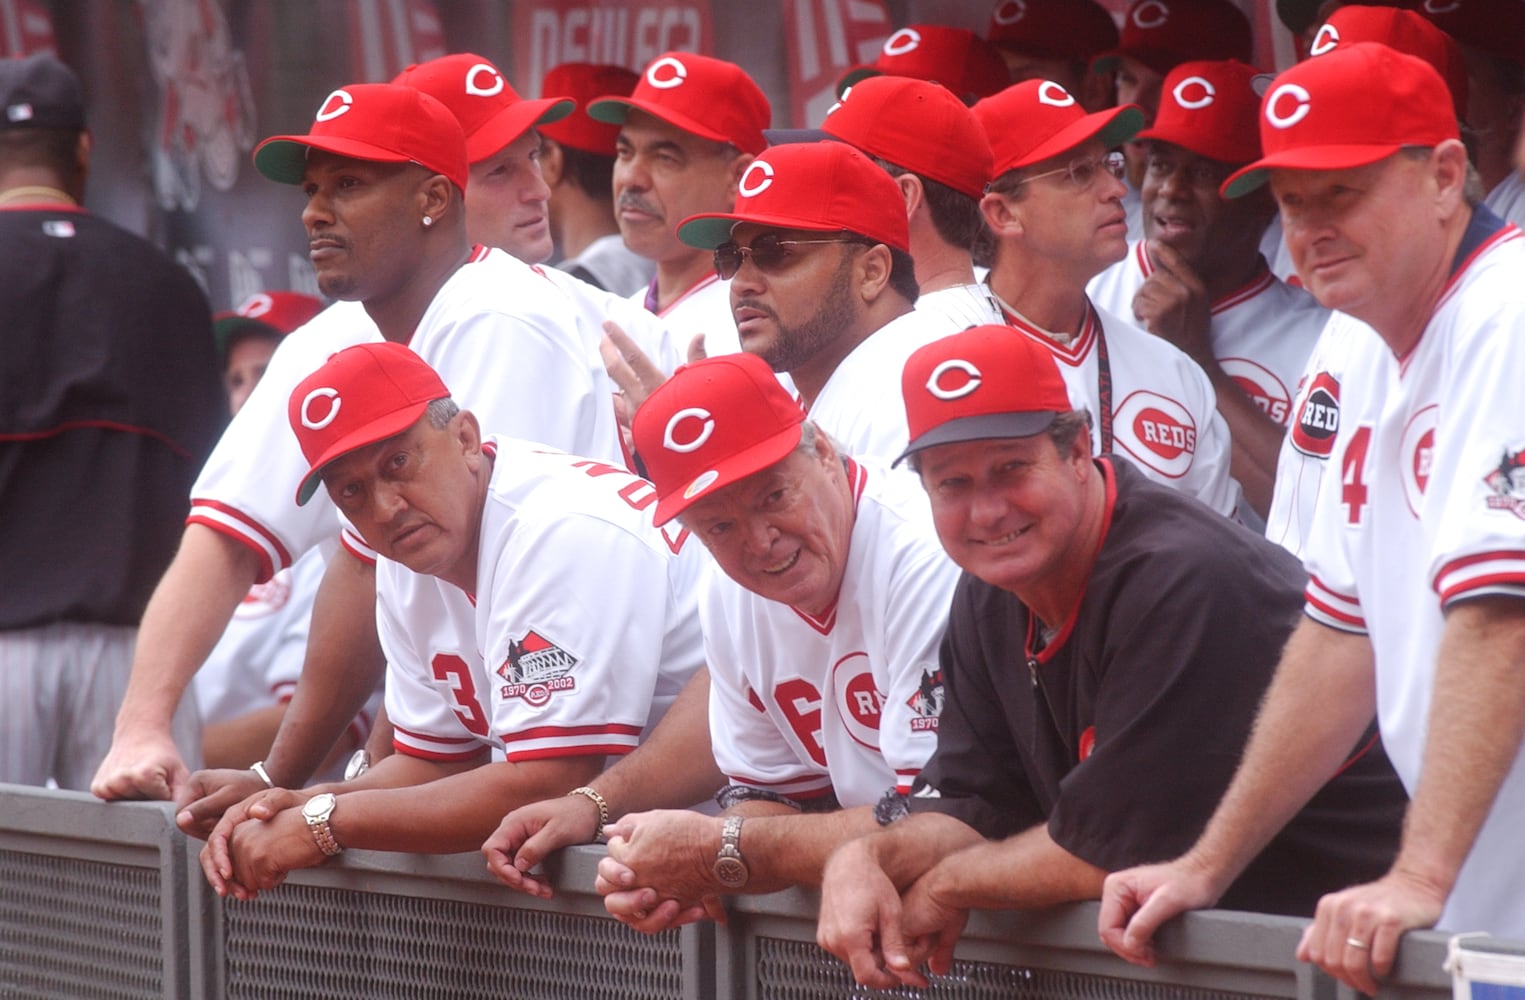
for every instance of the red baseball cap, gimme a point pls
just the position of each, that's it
(1053, 29)
(361, 395)
(917, 125)
(819, 186)
(1403, 30)
(1320, 114)
(984, 383)
(1494, 26)
(713, 423)
(265, 314)
(1211, 109)
(381, 122)
(1162, 34)
(1031, 121)
(491, 113)
(711, 98)
(582, 82)
(960, 60)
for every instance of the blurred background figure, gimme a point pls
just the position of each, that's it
(1056, 40)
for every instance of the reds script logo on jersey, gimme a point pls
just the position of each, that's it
(927, 701)
(1507, 482)
(1160, 433)
(1318, 418)
(859, 702)
(1417, 451)
(536, 669)
(1261, 385)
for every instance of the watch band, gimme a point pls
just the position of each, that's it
(318, 822)
(730, 867)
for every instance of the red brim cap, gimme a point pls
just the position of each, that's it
(512, 122)
(380, 429)
(1011, 118)
(710, 98)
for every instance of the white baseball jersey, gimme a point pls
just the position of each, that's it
(960, 307)
(1429, 510)
(508, 342)
(1261, 333)
(582, 629)
(845, 702)
(1302, 465)
(861, 404)
(596, 306)
(1164, 412)
(705, 308)
(1507, 199)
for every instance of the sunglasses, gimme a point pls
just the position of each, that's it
(768, 253)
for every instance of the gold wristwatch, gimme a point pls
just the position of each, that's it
(730, 867)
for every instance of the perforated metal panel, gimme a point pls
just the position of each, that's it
(336, 944)
(78, 929)
(798, 970)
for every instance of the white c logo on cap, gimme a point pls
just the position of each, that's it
(1208, 93)
(903, 41)
(494, 88)
(1431, 7)
(333, 411)
(1327, 39)
(953, 364)
(1151, 14)
(751, 189)
(679, 73)
(1010, 12)
(330, 110)
(1052, 94)
(669, 439)
(256, 305)
(1300, 112)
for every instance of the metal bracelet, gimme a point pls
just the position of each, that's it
(258, 767)
(598, 800)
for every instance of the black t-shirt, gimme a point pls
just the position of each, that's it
(1123, 731)
(109, 404)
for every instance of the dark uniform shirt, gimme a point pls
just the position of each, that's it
(1123, 730)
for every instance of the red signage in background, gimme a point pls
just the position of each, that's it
(825, 39)
(25, 28)
(388, 36)
(627, 33)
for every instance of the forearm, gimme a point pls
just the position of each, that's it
(242, 741)
(910, 847)
(674, 767)
(1255, 440)
(787, 848)
(191, 606)
(454, 813)
(1025, 872)
(343, 665)
(1321, 700)
(1477, 721)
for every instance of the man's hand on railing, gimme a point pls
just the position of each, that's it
(218, 857)
(650, 881)
(1354, 935)
(140, 765)
(530, 833)
(1136, 901)
(206, 795)
(860, 919)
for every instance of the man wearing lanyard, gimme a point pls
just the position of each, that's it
(1054, 207)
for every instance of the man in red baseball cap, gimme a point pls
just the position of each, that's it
(965, 64)
(1197, 278)
(577, 161)
(1125, 601)
(1157, 36)
(1056, 40)
(501, 634)
(1413, 607)
(686, 134)
(822, 283)
(934, 147)
(1054, 211)
(246, 337)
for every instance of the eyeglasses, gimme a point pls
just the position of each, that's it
(1083, 170)
(768, 253)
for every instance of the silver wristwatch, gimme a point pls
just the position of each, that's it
(316, 811)
(730, 867)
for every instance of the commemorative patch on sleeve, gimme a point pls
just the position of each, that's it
(1506, 483)
(927, 701)
(536, 669)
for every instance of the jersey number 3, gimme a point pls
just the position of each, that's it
(452, 670)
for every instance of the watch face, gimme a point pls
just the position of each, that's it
(359, 763)
(731, 872)
(319, 806)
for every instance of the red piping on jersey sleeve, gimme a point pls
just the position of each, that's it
(580, 750)
(1510, 571)
(252, 535)
(905, 778)
(1320, 597)
(356, 547)
(555, 732)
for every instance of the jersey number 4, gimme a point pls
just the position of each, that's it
(1353, 474)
